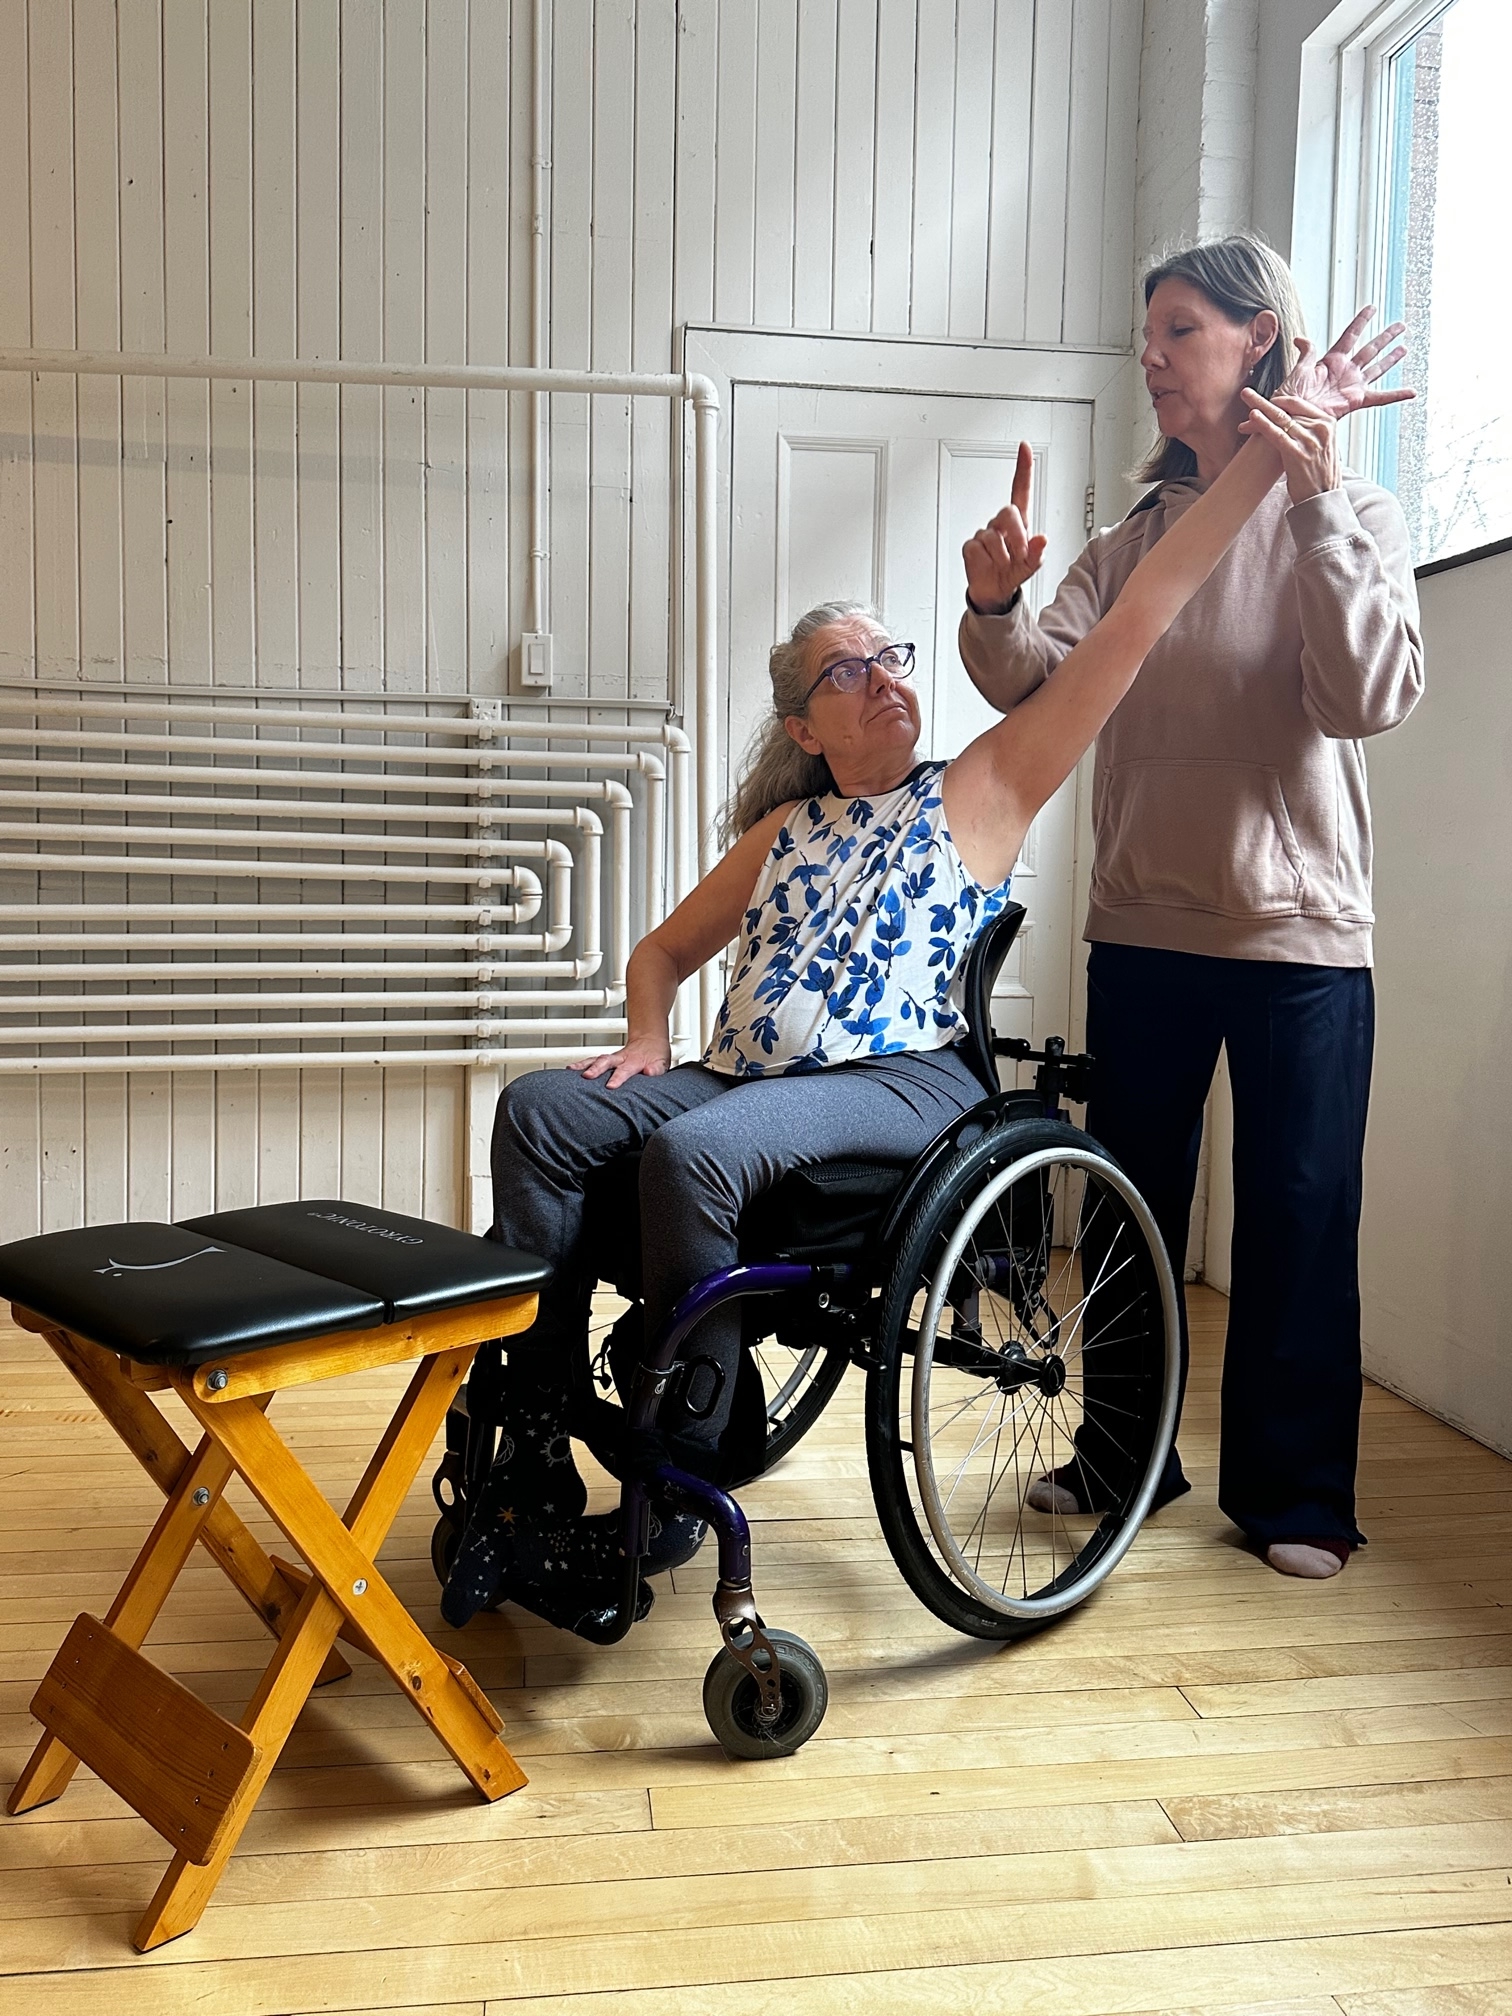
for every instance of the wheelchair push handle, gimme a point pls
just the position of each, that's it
(1062, 1074)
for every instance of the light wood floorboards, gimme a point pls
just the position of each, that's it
(1210, 1789)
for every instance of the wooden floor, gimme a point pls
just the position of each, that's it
(1210, 1789)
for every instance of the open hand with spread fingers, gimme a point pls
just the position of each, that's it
(1345, 378)
(1303, 435)
(1002, 556)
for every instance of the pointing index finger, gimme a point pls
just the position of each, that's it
(1022, 475)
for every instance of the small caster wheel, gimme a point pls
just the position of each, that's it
(730, 1698)
(446, 1538)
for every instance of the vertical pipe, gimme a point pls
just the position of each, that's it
(657, 879)
(535, 591)
(619, 916)
(681, 817)
(705, 445)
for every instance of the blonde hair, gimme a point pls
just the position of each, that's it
(1242, 276)
(774, 768)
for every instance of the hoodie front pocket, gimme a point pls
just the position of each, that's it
(1197, 836)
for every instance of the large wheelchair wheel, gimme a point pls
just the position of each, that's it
(799, 1379)
(1030, 1324)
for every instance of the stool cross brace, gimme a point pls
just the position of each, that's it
(190, 1773)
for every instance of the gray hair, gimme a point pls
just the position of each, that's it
(774, 769)
(1242, 276)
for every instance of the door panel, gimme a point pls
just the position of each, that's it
(869, 496)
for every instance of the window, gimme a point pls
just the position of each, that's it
(1441, 261)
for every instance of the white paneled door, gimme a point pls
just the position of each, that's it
(870, 496)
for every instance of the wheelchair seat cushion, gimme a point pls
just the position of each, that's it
(168, 1296)
(411, 1265)
(823, 1213)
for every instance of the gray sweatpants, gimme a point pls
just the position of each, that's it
(709, 1144)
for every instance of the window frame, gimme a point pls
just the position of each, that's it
(1349, 58)
(1361, 158)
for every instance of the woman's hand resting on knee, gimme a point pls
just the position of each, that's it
(640, 1057)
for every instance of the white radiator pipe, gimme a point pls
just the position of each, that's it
(706, 683)
(242, 969)
(338, 371)
(540, 101)
(485, 786)
(263, 808)
(484, 943)
(292, 711)
(286, 913)
(37, 1005)
(250, 870)
(275, 1031)
(96, 1004)
(308, 1060)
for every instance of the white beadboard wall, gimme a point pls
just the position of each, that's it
(352, 178)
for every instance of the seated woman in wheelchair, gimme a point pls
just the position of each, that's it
(858, 878)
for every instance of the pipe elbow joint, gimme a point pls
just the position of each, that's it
(528, 891)
(703, 392)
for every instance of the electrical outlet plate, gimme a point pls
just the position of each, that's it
(535, 658)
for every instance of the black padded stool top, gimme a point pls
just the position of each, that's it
(411, 1265)
(169, 1297)
(241, 1280)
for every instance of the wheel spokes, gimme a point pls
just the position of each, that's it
(1009, 1383)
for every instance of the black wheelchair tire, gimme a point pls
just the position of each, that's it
(890, 1453)
(446, 1538)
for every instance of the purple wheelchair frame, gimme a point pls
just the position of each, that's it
(735, 1610)
(734, 1601)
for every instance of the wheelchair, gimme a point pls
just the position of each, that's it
(1009, 1300)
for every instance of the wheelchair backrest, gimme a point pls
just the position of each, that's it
(983, 963)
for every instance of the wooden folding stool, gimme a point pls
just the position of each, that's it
(226, 1312)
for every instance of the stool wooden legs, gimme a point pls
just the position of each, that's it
(348, 1589)
(99, 1679)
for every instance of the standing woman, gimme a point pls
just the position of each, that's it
(1230, 898)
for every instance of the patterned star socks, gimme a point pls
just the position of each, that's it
(533, 1488)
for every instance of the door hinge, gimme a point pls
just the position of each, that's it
(1089, 510)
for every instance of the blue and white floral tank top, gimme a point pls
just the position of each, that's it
(859, 924)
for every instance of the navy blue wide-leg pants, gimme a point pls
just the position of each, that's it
(1299, 1042)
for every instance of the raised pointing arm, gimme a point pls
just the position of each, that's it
(998, 783)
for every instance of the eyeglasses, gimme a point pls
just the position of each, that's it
(846, 675)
